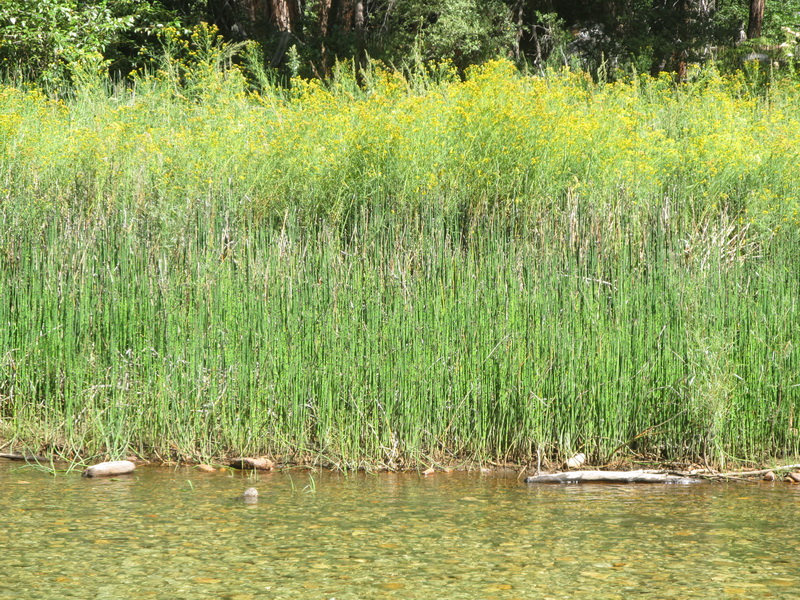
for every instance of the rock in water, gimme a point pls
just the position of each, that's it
(106, 469)
(250, 496)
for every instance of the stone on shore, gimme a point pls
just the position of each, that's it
(259, 464)
(206, 468)
(106, 469)
(576, 461)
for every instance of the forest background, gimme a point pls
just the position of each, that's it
(45, 39)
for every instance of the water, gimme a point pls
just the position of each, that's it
(180, 534)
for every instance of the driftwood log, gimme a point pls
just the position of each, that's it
(750, 476)
(106, 469)
(642, 476)
(610, 477)
(25, 457)
(758, 473)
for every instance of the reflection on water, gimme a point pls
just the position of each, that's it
(181, 534)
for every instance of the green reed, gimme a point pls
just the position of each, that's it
(392, 342)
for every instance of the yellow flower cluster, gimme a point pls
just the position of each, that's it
(497, 139)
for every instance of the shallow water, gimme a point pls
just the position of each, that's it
(174, 534)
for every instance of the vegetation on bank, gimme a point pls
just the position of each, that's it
(415, 268)
(43, 40)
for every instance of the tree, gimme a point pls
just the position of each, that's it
(462, 31)
(273, 23)
(756, 20)
(43, 39)
(342, 31)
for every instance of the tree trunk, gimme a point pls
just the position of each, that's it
(359, 20)
(518, 13)
(344, 17)
(259, 20)
(682, 35)
(283, 15)
(756, 19)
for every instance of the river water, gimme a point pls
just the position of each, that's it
(180, 534)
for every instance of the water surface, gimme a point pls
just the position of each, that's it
(179, 534)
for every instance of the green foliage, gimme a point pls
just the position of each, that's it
(44, 39)
(47, 40)
(551, 41)
(465, 32)
(136, 45)
(779, 14)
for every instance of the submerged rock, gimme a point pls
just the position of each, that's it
(250, 495)
(684, 481)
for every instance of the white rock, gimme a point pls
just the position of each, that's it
(115, 467)
(576, 461)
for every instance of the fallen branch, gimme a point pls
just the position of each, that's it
(739, 474)
(25, 457)
(610, 477)
(650, 476)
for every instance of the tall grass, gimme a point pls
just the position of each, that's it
(397, 343)
(418, 269)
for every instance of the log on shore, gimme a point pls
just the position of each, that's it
(758, 473)
(764, 474)
(106, 469)
(25, 457)
(610, 477)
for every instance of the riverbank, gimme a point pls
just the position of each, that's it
(573, 470)
(502, 269)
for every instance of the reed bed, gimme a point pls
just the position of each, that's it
(418, 269)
